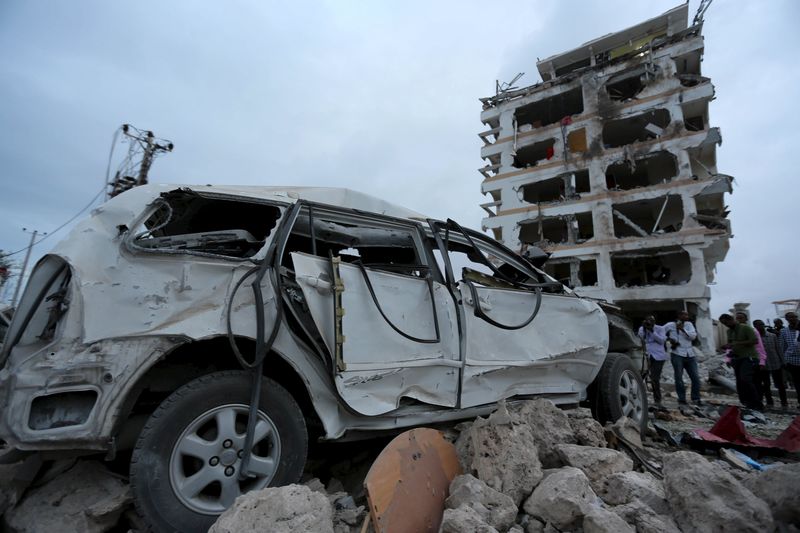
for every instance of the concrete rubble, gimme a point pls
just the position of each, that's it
(85, 498)
(527, 468)
(286, 510)
(502, 451)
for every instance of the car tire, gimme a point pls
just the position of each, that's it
(185, 465)
(620, 391)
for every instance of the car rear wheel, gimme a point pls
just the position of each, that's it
(186, 466)
(620, 391)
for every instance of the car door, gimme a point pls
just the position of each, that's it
(389, 326)
(523, 333)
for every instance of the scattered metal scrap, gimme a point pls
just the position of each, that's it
(729, 432)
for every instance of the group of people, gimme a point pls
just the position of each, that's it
(758, 355)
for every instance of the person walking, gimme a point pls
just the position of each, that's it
(773, 368)
(654, 337)
(744, 359)
(790, 345)
(680, 335)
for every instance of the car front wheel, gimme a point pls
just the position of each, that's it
(186, 466)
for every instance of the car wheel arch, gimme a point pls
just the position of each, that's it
(215, 354)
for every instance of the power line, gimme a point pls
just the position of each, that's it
(76, 215)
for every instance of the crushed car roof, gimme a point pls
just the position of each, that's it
(337, 196)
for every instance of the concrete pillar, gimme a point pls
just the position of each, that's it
(506, 123)
(605, 278)
(603, 220)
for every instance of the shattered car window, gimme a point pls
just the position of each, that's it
(376, 245)
(468, 264)
(186, 221)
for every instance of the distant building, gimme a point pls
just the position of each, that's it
(610, 164)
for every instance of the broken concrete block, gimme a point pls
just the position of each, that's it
(15, 479)
(534, 526)
(464, 518)
(599, 520)
(624, 487)
(562, 498)
(703, 497)
(778, 488)
(501, 453)
(285, 509)
(85, 498)
(644, 519)
(587, 430)
(496, 509)
(596, 463)
(550, 426)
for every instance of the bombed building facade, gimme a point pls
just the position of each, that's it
(609, 164)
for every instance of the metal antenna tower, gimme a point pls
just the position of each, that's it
(143, 147)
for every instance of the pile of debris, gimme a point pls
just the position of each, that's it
(528, 467)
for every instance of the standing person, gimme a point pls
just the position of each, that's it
(680, 335)
(654, 337)
(777, 327)
(742, 318)
(774, 366)
(744, 358)
(790, 345)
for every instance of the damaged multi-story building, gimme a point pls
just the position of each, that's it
(609, 164)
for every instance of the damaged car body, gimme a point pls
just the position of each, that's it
(212, 329)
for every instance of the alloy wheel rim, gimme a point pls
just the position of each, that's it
(630, 396)
(205, 464)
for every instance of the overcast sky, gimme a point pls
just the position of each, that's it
(378, 97)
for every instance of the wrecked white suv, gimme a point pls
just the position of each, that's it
(213, 330)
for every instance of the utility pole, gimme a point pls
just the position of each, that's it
(142, 143)
(24, 267)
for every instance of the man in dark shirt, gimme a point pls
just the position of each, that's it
(744, 358)
(773, 369)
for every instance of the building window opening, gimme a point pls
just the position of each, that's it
(565, 229)
(573, 272)
(712, 211)
(703, 161)
(664, 266)
(550, 110)
(627, 85)
(552, 190)
(695, 115)
(545, 232)
(582, 181)
(648, 217)
(688, 63)
(567, 186)
(638, 128)
(655, 168)
(583, 226)
(530, 156)
(587, 272)
(560, 271)
(663, 310)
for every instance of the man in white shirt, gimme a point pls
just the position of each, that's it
(654, 337)
(680, 335)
